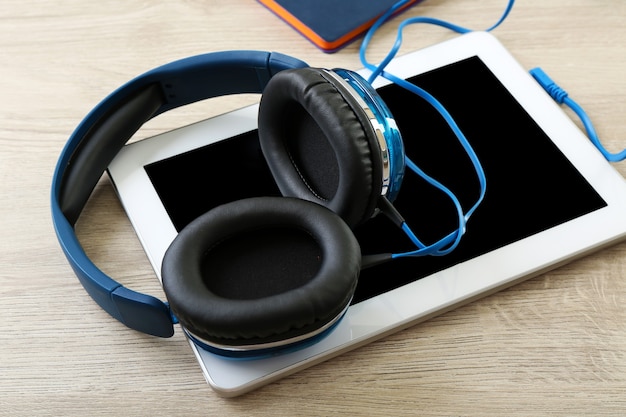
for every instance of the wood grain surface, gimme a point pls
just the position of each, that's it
(553, 345)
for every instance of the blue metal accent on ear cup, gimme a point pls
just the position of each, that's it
(389, 138)
(269, 349)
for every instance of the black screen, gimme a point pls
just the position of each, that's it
(531, 186)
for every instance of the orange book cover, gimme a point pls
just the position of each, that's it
(330, 24)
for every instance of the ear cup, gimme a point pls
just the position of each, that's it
(319, 144)
(261, 270)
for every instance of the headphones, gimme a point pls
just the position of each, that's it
(259, 273)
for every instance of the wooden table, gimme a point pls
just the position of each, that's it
(554, 345)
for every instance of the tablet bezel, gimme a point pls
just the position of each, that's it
(421, 299)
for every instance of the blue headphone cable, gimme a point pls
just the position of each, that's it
(561, 97)
(449, 242)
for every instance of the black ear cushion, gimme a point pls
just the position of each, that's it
(261, 270)
(319, 145)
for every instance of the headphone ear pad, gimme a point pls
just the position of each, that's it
(319, 144)
(261, 270)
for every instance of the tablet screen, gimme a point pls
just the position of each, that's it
(531, 186)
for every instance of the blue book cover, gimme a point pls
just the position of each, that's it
(330, 24)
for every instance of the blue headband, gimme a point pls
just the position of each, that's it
(105, 130)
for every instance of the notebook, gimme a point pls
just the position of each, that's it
(330, 24)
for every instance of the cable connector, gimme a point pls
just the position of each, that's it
(560, 96)
(390, 211)
(557, 93)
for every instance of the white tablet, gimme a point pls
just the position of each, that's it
(551, 197)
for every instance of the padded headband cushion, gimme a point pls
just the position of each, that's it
(106, 129)
(319, 144)
(261, 270)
